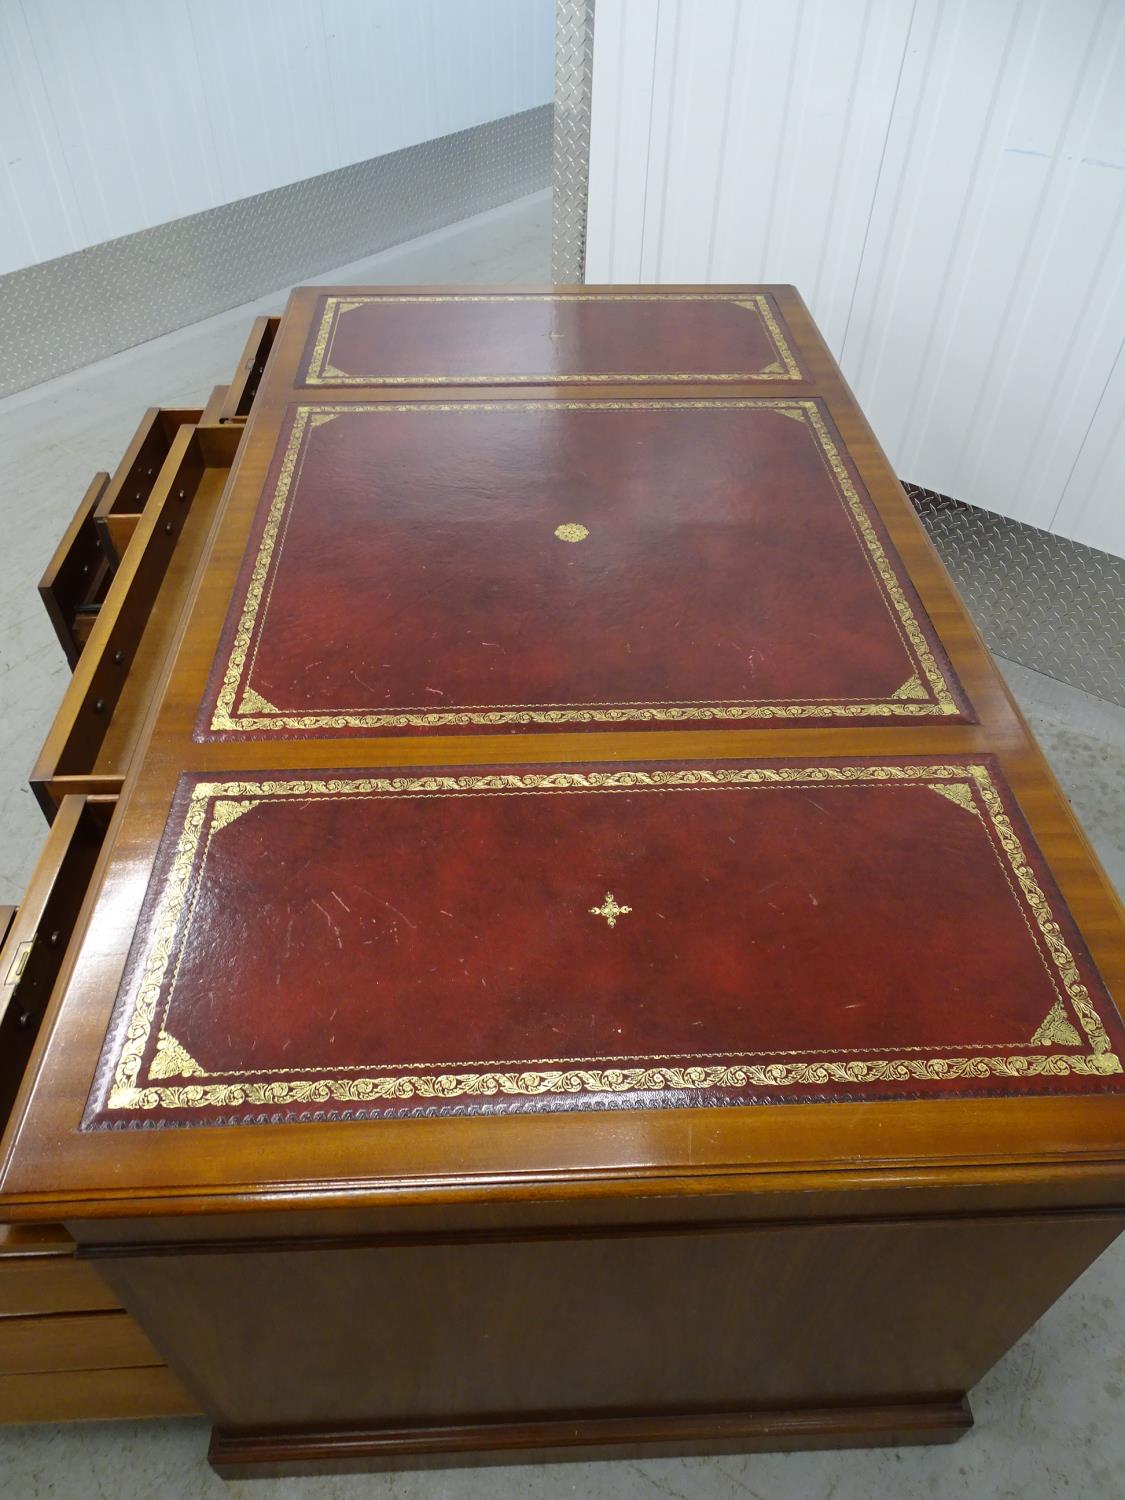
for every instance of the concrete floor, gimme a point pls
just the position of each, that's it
(1049, 1416)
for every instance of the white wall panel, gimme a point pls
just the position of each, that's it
(266, 93)
(123, 114)
(39, 215)
(132, 151)
(1092, 509)
(764, 125)
(620, 115)
(983, 329)
(944, 180)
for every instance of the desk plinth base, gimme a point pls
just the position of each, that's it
(264, 1454)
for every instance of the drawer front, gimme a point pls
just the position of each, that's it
(67, 1349)
(33, 950)
(34, 1239)
(248, 373)
(96, 729)
(73, 1341)
(119, 507)
(94, 1395)
(39, 1274)
(77, 577)
(32, 1285)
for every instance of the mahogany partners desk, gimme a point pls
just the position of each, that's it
(587, 957)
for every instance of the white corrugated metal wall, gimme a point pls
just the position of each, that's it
(944, 180)
(123, 114)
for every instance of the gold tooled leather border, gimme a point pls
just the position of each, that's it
(213, 805)
(240, 708)
(321, 371)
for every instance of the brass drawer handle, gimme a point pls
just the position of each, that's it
(19, 963)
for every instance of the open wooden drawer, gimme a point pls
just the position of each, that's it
(243, 388)
(77, 577)
(41, 929)
(67, 1347)
(216, 402)
(98, 724)
(119, 508)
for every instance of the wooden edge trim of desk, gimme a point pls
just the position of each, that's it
(523, 1234)
(1101, 1185)
(585, 1437)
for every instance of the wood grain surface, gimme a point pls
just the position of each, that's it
(48, 1156)
(656, 1279)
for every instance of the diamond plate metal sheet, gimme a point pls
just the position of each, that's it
(79, 308)
(574, 70)
(1050, 604)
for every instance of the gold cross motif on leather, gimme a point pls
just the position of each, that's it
(610, 910)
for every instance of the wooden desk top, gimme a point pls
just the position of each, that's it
(865, 937)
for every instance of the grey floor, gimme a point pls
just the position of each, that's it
(1049, 1416)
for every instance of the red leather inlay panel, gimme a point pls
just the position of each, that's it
(521, 565)
(487, 338)
(349, 943)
